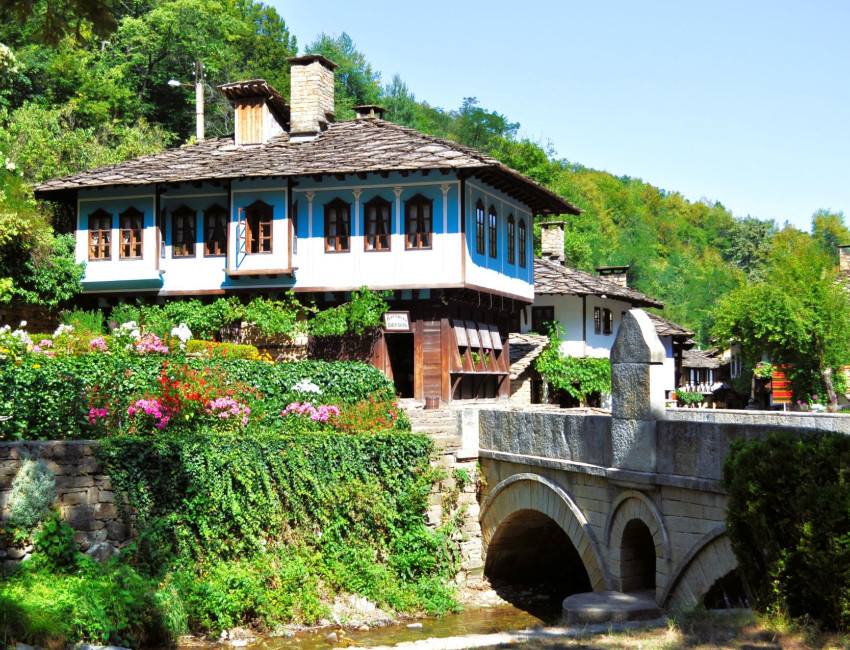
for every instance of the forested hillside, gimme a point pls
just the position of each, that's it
(76, 92)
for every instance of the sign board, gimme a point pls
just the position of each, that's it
(781, 387)
(397, 321)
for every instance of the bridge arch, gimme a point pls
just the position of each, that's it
(638, 543)
(710, 559)
(528, 491)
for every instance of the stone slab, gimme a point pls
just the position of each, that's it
(609, 606)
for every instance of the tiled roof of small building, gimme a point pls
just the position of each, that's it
(701, 359)
(666, 327)
(525, 348)
(352, 147)
(553, 279)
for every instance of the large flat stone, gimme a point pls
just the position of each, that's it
(609, 606)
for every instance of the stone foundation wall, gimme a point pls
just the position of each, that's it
(84, 492)
(39, 320)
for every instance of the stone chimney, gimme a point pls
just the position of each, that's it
(552, 241)
(311, 97)
(616, 274)
(261, 112)
(844, 260)
(369, 112)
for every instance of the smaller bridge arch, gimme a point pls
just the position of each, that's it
(709, 560)
(532, 492)
(637, 541)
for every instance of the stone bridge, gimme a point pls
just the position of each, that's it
(628, 502)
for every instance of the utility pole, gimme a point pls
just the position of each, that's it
(199, 101)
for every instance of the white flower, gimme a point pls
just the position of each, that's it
(182, 332)
(10, 166)
(22, 336)
(23, 324)
(63, 329)
(306, 386)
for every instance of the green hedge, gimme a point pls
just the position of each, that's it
(788, 520)
(341, 511)
(48, 398)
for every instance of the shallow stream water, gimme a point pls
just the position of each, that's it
(473, 621)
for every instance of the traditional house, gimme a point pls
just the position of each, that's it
(589, 308)
(294, 201)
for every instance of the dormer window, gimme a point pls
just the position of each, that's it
(259, 227)
(418, 226)
(183, 225)
(100, 236)
(479, 228)
(378, 225)
(130, 224)
(337, 226)
(493, 223)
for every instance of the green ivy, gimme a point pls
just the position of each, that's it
(578, 377)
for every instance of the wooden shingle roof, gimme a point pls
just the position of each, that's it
(701, 359)
(525, 348)
(352, 147)
(550, 278)
(664, 327)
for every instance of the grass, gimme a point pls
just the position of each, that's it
(702, 630)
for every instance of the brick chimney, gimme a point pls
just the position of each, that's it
(261, 111)
(844, 260)
(552, 241)
(616, 274)
(311, 97)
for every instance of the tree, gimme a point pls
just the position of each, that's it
(799, 315)
(748, 243)
(52, 20)
(829, 231)
(400, 103)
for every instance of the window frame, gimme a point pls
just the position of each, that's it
(493, 232)
(479, 227)
(133, 232)
(100, 250)
(511, 239)
(523, 244)
(597, 320)
(259, 228)
(214, 211)
(373, 242)
(337, 213)
(540, 315)
(183, 215)
(607, 321)
(424, 223)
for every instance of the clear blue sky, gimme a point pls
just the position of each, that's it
(746, 103)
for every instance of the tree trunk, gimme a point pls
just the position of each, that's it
(826, 375)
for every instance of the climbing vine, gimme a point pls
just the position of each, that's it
(578, 377)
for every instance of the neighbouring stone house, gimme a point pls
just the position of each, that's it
(296, 201)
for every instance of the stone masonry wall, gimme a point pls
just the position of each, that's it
(84, 492)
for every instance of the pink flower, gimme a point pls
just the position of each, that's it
(98, 343)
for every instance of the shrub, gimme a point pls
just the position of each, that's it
(54, 544)
(33, 492)
(223, 350)
(789, 523)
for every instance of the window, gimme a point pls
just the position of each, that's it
(511, 240)
(295, 227)
(540, 316)
(379, 213)
(130, 224)
(522, 243)
(259, 227)
(417, 223)
(607, 321)
(337, 226)
(494, 232)
(100, 235)
(215, 231)
(597, 320)
(479, 228)
(183, 224)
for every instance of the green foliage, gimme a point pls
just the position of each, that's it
(33, 492)
(54, 544)
(83, 321)
(275, 317)
(219, 505)
(361, 313)
(788, 520)
(689, 398)
(800, 317)
(578, 377)
(222, 350)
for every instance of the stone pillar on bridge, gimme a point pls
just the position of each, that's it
(637, 393)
